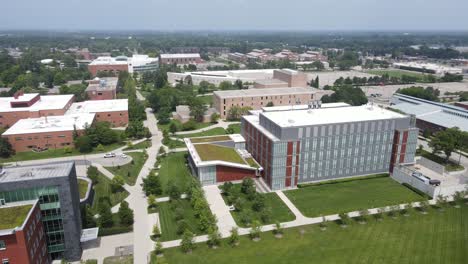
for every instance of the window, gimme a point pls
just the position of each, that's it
(2, 245)
(5, 261)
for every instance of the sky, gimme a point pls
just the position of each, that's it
(219, 15)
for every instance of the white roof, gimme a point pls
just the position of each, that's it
(98, 106)
(107, 60)
(264, 92)
(50, 124)
(180, 55)
(296, 118)
(46, 102)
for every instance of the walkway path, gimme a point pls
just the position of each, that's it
(220, 123)
(219, 209)
(291, 206)
(106, 246)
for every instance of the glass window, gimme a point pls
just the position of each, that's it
(2, 244)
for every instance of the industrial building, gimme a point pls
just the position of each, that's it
(24, 243)
(431, 116)
(258, 98)
(55, 187)
(327, 141)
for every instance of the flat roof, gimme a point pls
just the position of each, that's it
(105, 84)
(98, 106)
(36, 172)
(297, 118)
(264, 92)
(179, 55)
(271, 81)
(14, 215)
(50, 124)
(107, 60)
(46, 102)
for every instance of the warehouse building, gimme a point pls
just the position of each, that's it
(56, 187)
(323, 142)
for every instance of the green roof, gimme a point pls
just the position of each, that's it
(252, 162)
(210, 139)
(14, 216)
(209, 152)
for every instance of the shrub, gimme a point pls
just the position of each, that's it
(265, 216)
(234, 237)
(344, 218)
(182, 226)
(67, 150)
(214, 238)
(323, 224)
(100, 147)
(255, 230)
(245, 218)
(187, 243)
(363, 215)
(158, 249)
(248, 186)
(156, 231)
(258, 203)
(125, 214)
(278, 229)
(116, 183)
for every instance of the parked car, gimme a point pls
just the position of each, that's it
(109, 155)
(421, 177)
(123, 155)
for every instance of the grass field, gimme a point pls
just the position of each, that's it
(209, 152)
(103, 189)
(279, 211)
(207, 99)
(236, 128)
(54, 153)
(169, 223)
(82, 187)
(211, 132)
(131, 170)
(349, 196)
(210, 139)
(398, 73)
(436, 238)
(142, 145)
(173, 168)
(179, 125)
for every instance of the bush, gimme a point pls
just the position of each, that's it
(182, 226)
(125, 214)
(115, 230)
(234, 237)
(265, 216)
(100, 147)
(67, 150)
(245, 218)
(189, 125)
(255, 230)
(187, 243)
(117, 183)
(344, 219)
(214, 238)
(258, 203)
(173, 191)
(248, 186)
(156, 231)
(278, 229)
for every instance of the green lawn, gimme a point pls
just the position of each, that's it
(54, 153)
(131, 170)
(252, 162)
(82, 187)
(279, 211)
(169, 223)
(172, 144)
(349, 196)
(13, 216)
(179, 125)
(103, 189)
(207, 99)
(211, 132)
(450, 166)
(210, 139)
(173, 168)
(437, 238)
(236, 128)
(119, 260)
(209, 152)
(142, 145)
(399, 73)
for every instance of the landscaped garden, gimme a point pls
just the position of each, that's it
(449, 165)
(180, 127)
(251, 206)
(437, 237)
(82, 188)
(174, 172)
(350, 195)
(210, 139)
(170, 213)
(103, 188)
(129, 172)
(13, 216)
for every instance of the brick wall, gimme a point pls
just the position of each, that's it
(224, 173)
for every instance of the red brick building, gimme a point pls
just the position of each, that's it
(33, 105)
(108, 65)
(113, 111)
(102, 88)
(26, 243)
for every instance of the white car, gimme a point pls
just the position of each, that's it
(109, 155)
(124, 156)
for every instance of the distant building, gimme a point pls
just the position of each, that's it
(25, 243)
(56, 187)
(182, 113)
(185, 50)
(431, 116)
(102, 88)
(258, 98)
(142, 63)
(462, 104)
(427, 68)
(180, 58)
(327, 141)
(115, 65)
(237, 57)
(217, 50)
(283, 78)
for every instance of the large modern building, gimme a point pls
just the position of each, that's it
(258, 98)
(431, 116)
(328, 141)
(55, 186)
(24, 243)
(32, 105)
(180, 58)
(115, 65)
(102, 88)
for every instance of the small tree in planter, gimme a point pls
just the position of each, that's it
(214, 239)
(363, 214)
(323, 224)
(187, 243)
(234, 238)
(278, 231)
(379, 215)
(255, 231)
(156, 232)
(390, 212)
(423, 206)
(344, 219)
(158, 250)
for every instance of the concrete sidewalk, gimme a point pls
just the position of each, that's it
(219, 209)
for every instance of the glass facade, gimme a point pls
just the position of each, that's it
(52, 219)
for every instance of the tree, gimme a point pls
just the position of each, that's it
(125, 214)
(318, 65)
(173, 128)
(164, 116)
(348, 94)
(447, 141)
(105, 215)
(117, 183)
(88, 218)
(258, 203)
(344, 219)
(238, 84)
(234, 237)
(158, 249)
(6, 149)
(427, 93)
(156, 231)
(173, 191)
(248, 186)
(197, 109)
(187, 243)
(214, 118)
(84, 144)
(278, 231)
(93, 174)
(255, 231)
(214, 238)
(152, 201)
(226, 85)
(152, 185)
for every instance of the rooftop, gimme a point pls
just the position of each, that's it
(107, 60)
(208, 152)
(46, 102)
(326, 115)
(180, 55)
(36, 172)
(50, 124)
(14, 215)
(271, 81)
(98, 106)
(103, 84)
(264, 92)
